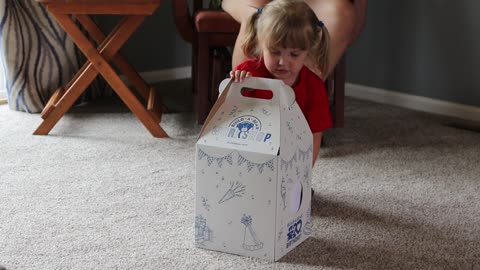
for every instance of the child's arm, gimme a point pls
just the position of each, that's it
(317, 141)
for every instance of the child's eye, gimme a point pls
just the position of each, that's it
(294, 54)
(275, 52)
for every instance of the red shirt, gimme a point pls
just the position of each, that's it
(310, 94)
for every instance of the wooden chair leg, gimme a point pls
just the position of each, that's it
(217, 76)
(202, 79)
(194, 66)
(339, 93)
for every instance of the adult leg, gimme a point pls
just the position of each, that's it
(241, 10)
(344, 20)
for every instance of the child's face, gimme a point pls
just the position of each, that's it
(284, 63)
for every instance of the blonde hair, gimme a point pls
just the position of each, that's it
(288, 24)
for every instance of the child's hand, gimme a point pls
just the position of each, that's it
(239, 75)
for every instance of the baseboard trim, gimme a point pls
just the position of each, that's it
(156, 76)
(413, 102)
(383, 96)
(3, 95)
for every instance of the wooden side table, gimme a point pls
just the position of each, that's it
(99, 58)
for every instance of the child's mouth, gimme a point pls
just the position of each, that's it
(281, 71)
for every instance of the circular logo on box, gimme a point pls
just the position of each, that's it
(245, 124)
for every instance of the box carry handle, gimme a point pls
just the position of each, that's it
(282, 93)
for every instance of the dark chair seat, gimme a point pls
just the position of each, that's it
(215, 21)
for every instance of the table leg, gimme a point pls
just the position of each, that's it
(119, 60)
(110, 46)
(115, 40)
(59, 105)
(64, 103)
(154, 101)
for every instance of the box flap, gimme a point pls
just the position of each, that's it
(222, 90)
(295, 132)
(245, 123)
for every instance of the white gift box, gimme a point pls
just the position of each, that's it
(253, 173)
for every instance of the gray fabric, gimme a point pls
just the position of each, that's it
(36, 54)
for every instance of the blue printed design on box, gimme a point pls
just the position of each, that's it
(253, 172)
(211, 159)
(244, 128)
(294, 231)
(229, 158)
(236, 189)
(251, 165)
(202, 231)
(250, 238)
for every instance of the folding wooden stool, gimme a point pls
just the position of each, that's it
(98, 58)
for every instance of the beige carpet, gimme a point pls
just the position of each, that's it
(395, 189)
